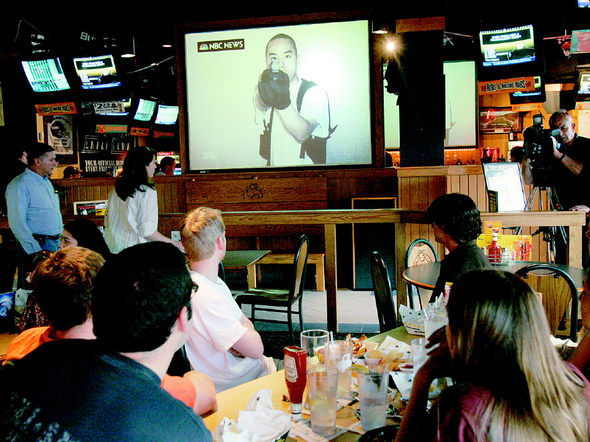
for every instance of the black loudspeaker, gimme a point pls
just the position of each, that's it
(416, 76)
(369, 237)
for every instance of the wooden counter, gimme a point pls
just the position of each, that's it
(403, 219)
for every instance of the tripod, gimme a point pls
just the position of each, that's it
(549, 233)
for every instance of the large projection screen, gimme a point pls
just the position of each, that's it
(223, 68)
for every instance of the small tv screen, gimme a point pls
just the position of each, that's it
(166, 115)
(505, 47)
(46, 75)
(583, 3)
(244, 86)
(536, 96)
(97, 72)
(111, 108)
(583, 91)
(145, 110)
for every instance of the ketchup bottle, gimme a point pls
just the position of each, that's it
(494, 250)
(295, 378)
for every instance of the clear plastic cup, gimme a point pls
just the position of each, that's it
(373, 397)
(339, 355)
(313, 342)
(322, 386)
(419, 355)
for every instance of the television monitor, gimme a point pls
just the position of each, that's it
(45, 75)
(583, 3)
(145, 110)
(110, 108)
(509, 52)
(536, 96)
(225, 130)
(583, 86)
(166, 115)
(97, 72)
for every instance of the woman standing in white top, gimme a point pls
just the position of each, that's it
(132, 208)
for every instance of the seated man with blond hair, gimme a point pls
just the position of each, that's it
(222, 342)
(62, 286)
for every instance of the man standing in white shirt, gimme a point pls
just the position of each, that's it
(222, 342)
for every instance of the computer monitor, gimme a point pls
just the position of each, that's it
(506, 179)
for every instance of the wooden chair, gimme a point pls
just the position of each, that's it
(420, 251)
(558, 291)
(281, 300)
(383, 293)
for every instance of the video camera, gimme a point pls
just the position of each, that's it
(538, 147)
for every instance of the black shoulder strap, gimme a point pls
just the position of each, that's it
(305, 85)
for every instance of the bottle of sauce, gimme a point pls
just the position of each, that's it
(295, 378)
(494, 250)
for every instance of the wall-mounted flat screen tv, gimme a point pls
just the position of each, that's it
(97, 72)
(509, 52)
(537, 95)
(583, 87)
(166, 115)
(145, 110)
(45, 75)
(286, 96)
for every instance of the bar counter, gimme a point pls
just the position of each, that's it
(575, 221)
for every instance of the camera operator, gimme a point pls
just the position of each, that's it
(568, 157)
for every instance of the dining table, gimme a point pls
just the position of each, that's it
(231, 401)
(425, 275)
(244, 259)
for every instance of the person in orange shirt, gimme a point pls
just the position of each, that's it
(62, 285)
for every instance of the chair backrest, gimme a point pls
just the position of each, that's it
(420, 251)
(299, 267)
(221, 271)
(383, 293)
(558, 291)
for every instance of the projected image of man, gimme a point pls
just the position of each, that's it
(294, 111)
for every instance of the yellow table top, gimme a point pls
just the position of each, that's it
(231, 401)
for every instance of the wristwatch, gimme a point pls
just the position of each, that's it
(562, 157)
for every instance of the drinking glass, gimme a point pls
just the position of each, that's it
(373, 396)
(314, 341)
(322, 385)
(339, 355)
(418, 353)
(435, 317)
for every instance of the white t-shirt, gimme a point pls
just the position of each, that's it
(215, 326)
(128, 222)
(284, 149)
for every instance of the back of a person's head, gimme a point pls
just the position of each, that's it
(37, 150)
(457, 215)
(138, 296)
(499, 340)
(88, 235)
(62, 285)
(200, 230)
(134, 173)
(167, 161)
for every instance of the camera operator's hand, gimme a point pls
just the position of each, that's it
(273, 89)
(557, 154)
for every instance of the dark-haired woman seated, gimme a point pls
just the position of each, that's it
(457, 224)
(84, 232)
(510, 384)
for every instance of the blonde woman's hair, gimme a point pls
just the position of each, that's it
(199, 232)
(500, 341)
